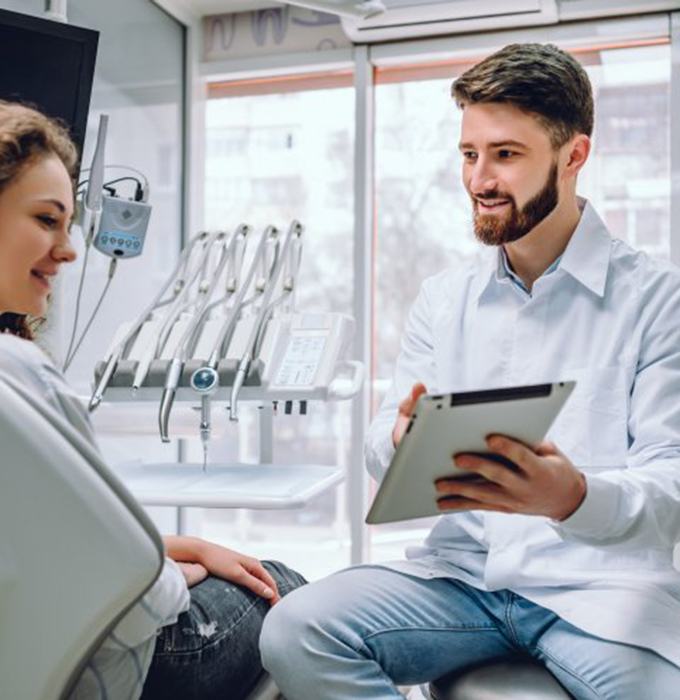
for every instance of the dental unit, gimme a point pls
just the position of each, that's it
(224, 329)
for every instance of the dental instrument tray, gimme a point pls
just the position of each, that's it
(256, 486)
(300, 358)
(444, 425)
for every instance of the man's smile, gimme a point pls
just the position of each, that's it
(491, 206)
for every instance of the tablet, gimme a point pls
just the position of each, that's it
(446, 424)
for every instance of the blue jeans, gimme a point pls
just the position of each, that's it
(211, 652)
(358, 633)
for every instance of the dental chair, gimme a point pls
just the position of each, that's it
(76, 551)
(516, 678)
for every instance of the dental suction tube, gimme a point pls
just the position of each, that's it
(294, 232)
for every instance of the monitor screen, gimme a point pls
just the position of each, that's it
(49, 65)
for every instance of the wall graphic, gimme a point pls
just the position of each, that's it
(272, 31)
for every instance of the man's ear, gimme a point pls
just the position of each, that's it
(576, 152)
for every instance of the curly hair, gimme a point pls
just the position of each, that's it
(27, 135)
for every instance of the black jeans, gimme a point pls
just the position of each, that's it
(211, 652)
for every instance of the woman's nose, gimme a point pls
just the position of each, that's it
(64, 252)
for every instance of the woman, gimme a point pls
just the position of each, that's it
(174, 643)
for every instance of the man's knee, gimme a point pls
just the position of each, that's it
(284, 629)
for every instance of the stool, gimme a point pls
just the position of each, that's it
(519, 678)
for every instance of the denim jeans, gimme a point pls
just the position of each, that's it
(211, 652)
(359, 633)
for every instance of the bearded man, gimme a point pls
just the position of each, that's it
(569, 557)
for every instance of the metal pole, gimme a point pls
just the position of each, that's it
(675, 137)
(265, 424)
(362, 302)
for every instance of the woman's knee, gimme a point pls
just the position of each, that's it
(286, 579)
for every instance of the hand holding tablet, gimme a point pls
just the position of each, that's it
(490, 472)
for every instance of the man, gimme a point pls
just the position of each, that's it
(569, 559)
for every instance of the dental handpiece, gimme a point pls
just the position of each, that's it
(183, 301)
(224, 335)
(294, 232)
(120, 349)
(205, 381)
(104, 380)
(174, 374)
(168, 397)
(239, 379)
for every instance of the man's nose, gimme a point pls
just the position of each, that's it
(482, 177)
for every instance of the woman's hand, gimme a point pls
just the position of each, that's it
(241, 569)
(193, 573)
(223, 563)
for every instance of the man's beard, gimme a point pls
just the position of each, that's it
(496, 230)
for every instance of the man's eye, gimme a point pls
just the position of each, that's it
(469, 155)
(506, 154)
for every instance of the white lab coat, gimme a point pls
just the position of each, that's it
(608, 317)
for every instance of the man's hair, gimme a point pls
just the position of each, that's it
(539, 79)
(26, 136)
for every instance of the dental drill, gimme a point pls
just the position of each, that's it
(294, 232)
(182, 303)
(226, 331)
(206, 290)
(176, 367)
(205, 381)
(111, 361)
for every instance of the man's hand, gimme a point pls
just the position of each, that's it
(405, 410)
(545, 482)
(223, 563)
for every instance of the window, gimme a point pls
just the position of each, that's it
(286, 152)
(422, 206)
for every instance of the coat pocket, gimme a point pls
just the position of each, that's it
(592, 428)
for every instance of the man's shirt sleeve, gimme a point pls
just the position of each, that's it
(639, 506)
(415, 363)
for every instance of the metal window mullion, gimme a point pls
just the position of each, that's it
(675, 137)
(363, 255)
(185, 156)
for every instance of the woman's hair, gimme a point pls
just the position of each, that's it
(26, 136)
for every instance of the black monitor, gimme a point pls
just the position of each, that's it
(49, 65)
